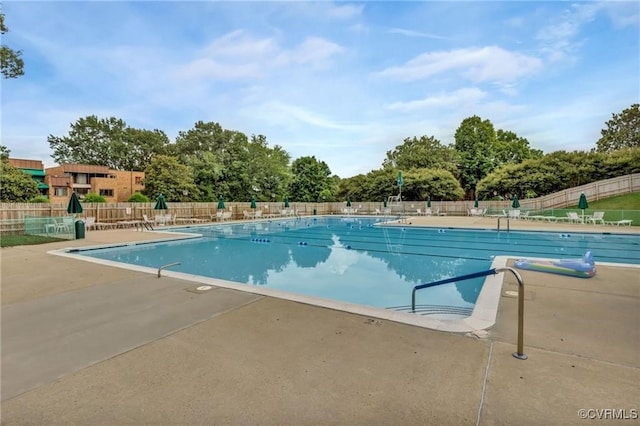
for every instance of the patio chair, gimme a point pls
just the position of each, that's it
(65, 226)
(160, 219)
(598, 217)
(89, 223)
(573, 217)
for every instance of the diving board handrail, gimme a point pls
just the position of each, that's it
(520, 350)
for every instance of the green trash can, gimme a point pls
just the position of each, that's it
(79, 229)
(315, 212)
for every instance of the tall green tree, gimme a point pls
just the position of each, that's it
(108, 142)
(513, 149)
(268, 169)
(310, 178)
(11, 63)
(166, 176)
(228, 157)
(424, 152)
(475, 142)
(622, 131)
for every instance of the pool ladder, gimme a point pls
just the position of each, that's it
(507, 224)
(520, 351)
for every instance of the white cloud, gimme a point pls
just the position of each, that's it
(411, 33)
(561, 39)
(464, 96)
(239, 56)
(485, 64)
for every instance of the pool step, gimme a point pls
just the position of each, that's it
(435, 310)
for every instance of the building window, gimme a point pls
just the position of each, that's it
(81, 178)
(60, 192)
(82, 191)
(106, 192)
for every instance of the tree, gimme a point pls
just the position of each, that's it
(11, 64)
(268, 169)
(512, 149)
(310, 178)
(475, 141)
(623, 131)
(15, 185)
(108, 142)
(4, 152)
(219, 160)
(166, 176)
(437, 184)
(424, 152)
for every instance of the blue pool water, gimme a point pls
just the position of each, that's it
(354, 260)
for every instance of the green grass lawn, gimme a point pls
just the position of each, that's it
(620, 202)
(23, 240)
(620, 207)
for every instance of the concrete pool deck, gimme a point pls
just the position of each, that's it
(91, 344)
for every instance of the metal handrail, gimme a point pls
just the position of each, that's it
(166, 266)
(520, 350)
(507, 224)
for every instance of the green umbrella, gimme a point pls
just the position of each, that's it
(429, 202)
(74, 206)
(220, 203)
(286, 203)
(161, 204)
(348, 202)
(253, 202)
(400, 179)
(475, 204)
(385, 203)
(514, 202)
(582, 204)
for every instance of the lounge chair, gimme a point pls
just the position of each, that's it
(625, 222)
(598, 217)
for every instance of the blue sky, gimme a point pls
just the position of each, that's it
(343, 81)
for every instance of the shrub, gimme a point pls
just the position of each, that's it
(39, 199)
(92, 197)
(138, 198)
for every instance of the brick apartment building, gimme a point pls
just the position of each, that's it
(114, 185)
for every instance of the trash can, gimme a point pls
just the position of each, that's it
(79, 229)
(315, 212)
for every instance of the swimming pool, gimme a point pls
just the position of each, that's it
(354, 260)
